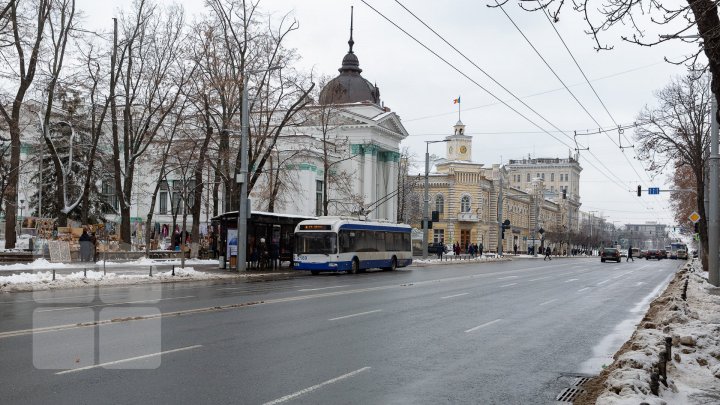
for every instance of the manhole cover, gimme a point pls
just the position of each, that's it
(568, 394)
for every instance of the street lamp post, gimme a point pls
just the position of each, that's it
(241, 176)
(426, 213)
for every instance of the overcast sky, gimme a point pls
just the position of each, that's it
(420, 87)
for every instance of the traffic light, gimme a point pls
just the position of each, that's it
(639, 191)
(564, 194)
(697, 230)
(505, 225)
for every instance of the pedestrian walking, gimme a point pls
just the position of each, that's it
(547, 253)
(515, 249)
(629, 255)
(480, 249)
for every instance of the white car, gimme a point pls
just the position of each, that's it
(623, 252)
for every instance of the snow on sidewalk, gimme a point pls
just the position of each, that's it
(38, 274)
(693, 372)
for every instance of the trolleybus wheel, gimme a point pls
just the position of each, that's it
(354, 267)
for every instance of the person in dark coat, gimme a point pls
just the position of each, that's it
(548, 251)
(85, 246)
(629, 255)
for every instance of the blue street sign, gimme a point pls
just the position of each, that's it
(653, 190)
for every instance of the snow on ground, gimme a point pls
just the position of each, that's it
(693, 372)
(38, 274)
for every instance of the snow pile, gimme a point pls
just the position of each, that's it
(43, 280)
(450, 259)
(693, 371)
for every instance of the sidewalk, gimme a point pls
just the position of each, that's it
(43, 275)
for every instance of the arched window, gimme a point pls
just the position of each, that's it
(439, 203)
(465, 204)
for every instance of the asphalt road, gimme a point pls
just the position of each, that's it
(492, 333)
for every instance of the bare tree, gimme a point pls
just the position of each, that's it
(151, 71)
(677, 132)
(26, 23)
(684, 201)
(238, 50)
(406, 184)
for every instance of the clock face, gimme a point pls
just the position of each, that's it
(463, 149)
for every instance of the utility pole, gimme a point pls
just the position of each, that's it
(426, 213)
(500, 213)
(713, 223)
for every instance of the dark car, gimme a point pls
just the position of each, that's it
(610, 254)
(435, 248)
(655, 254)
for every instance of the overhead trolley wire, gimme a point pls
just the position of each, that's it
(493, 79)
(568, 89)
(617, 182)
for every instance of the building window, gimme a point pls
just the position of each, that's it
(542, 176)
(438, 236)
(440, 203)
(528, 177)
(319, 197)
(108, 191)
(552, 176)
(176, 203)
(465, 204)
(163, 203)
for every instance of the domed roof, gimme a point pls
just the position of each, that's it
(349, 86)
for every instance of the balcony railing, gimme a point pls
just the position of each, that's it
(468, 217)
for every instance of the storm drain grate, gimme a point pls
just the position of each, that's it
(580, 381)
(568, 394)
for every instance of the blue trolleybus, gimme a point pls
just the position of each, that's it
(341, 244)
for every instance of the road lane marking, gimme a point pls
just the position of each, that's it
(547, 302)
(603, 282)
(315, 387)
(453, 296)
(503, 278)
(323, 288)
(114, 303)
(583, 289)
(541, 278)
(110, 363)
(482, 326)
(358, 314)
(508, 285)
(572, 279)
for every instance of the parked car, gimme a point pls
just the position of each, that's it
(682, 254)
(663, 253)
(623, 252)
(642, 253)
(434, 248)
(610, 254)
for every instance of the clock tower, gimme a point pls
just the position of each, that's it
(459, 145)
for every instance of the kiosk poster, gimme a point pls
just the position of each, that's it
(232, 242)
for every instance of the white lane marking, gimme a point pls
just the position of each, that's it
(453, 296)
(350, 316)
(503, 278)
(508, 285)
(114, 303)
(639, 283)
(482, 326)
(547, 302)
(314, 387)
(541, 278)
(572, 279)
(323, 288)
(583, 289)
(603, 282)
(128, 360)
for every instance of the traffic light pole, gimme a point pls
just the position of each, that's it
(713, 223)
(500, 215)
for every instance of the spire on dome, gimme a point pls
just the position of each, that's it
(351, 42)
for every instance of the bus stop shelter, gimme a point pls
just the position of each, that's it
(276, 229)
